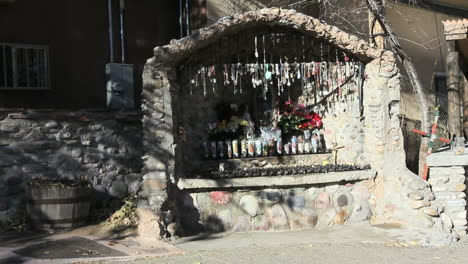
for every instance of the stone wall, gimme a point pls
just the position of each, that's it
(103, 148)
(275, 209)
(447, 177)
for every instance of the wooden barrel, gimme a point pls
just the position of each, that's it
(55, 208)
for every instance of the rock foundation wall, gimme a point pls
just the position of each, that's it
(101, 148)
(276, 209)
(449, 187)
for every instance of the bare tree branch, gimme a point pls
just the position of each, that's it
(377, 10)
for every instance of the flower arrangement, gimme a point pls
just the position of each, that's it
(294, 117)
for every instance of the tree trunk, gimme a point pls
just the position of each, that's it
(377, 10)
(465, 104)
(376, 32)
(453, 90)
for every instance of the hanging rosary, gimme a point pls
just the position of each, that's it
(323, 79)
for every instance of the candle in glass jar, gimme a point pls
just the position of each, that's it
(244, 148)
(265, 148)
(279, 146)
(287, 148)
(214, 153)
(235, 148)
(307, 147)
(206, 150)
(300, 147)
(228, 148)
(314, 145)
(294, 145)
(251, 148)
(272, 147)
(220, 147)
(258, 148)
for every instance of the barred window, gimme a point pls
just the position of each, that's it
(24, 67)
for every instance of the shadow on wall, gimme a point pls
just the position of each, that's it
(412, 143)
(258, 208)
(156, 193)
(105, 152)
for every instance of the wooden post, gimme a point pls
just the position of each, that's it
(453, 90)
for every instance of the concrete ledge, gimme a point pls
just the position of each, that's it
(447, 159)
(290, 180)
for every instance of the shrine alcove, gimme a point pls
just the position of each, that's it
(268, 109)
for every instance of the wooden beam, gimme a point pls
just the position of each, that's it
(453, 90)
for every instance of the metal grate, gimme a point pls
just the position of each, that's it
(412, 140)
(24, 66)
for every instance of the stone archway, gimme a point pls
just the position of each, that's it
(382, 138)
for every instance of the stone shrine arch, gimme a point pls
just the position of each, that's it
(165, 192)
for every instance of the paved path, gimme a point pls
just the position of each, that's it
(30, 248)
(336, 245)
(318, 253)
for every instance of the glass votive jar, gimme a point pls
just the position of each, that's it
(459, 146)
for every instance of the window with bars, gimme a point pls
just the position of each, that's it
(24, 67)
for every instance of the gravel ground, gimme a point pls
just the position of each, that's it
(319, 253)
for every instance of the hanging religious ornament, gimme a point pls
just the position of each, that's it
(192, 81)
(203, 79)
(234, 76)
(212, 77)
(225, 75)
(265, 70)
(239, 72)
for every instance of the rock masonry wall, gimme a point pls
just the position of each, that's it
(104, 149)
(449, 186)
(276, 209)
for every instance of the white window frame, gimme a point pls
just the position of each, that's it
(4, 86)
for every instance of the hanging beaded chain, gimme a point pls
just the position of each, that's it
(320, 79)
(203, 76)
(265, 69)
(339, 77)
(234, 77)
(239, 72)
(191, 80)
(212, 76)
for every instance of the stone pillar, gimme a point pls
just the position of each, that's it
(447, 176)
(154, 211)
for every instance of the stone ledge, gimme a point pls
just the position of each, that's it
(72, 115)
(447, 159)
(290, 180)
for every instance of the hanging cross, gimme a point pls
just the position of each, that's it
(432, 138)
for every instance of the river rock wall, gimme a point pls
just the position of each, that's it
(102, 148)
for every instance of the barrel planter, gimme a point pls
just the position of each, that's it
(52, 207)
